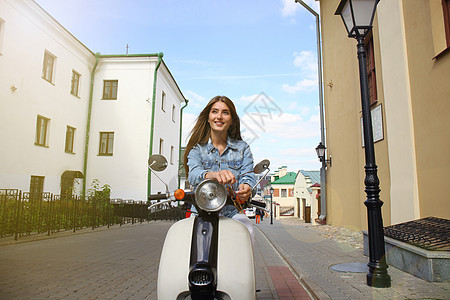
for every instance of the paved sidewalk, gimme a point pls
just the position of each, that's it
(310, 255)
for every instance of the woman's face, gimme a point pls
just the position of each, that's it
(220, 117)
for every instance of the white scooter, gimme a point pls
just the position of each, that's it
(206, 256)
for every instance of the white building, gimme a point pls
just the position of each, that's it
(69, 113)
(306, 189)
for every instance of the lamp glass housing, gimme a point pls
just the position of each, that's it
(320, 150)
(357, 15)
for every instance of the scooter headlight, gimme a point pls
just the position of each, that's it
(210, 195)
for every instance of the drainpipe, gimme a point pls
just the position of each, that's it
(186, 101)
(323, 198)
(149, 174)
(88, 123)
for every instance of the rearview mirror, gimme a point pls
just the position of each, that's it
(262, 166)
(157, 162)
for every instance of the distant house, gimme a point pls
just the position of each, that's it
(70, 116)
(283, 186)
(306, 189)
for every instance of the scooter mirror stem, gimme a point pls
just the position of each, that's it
(167, 187)
(267, 171)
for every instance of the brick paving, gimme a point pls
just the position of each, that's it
(118, 263)
(122, 263)
(286, 284)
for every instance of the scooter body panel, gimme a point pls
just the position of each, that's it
(174, 262)
(235, 266)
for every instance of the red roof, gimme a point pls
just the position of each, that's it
(316, 185)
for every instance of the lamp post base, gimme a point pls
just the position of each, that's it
(378, 276)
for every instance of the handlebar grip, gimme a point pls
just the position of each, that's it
(157, 196)
(257, 203)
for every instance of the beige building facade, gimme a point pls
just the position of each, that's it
(409, 64)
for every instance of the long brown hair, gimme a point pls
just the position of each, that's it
(201, 132)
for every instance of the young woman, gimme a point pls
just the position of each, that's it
(216, 151)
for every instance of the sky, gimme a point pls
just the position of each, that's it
(260, 53)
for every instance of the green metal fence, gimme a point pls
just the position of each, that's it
(23, 214)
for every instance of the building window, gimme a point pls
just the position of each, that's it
(173, 113)
(48, 67)
(172, 153)
(70, 136)
(161, 145)
(42, 127)
(75, 83)
(446, 8)
(106, 143)
(276, 192)
(163, 101)
(110, 89)
(371, 78)
(283, 193)
(2, 34)
(36, 187)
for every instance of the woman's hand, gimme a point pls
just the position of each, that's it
(223, 177)
(244, 193)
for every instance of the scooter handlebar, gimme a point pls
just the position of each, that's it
(159, 196)
(258, 204)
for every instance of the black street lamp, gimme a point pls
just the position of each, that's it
(271, 205)
(320, 150)
(358, 17)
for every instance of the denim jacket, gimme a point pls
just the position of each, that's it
(236, 157)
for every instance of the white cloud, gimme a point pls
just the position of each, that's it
(285, 125)
(304, 85)
(288, 8)
(195, 99)
(307, 62)
(303, 110)
(313, 4)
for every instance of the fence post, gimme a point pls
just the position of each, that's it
(19, 204)
(74, 203)
(93, 212)
(49, 215)
(108, 207)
